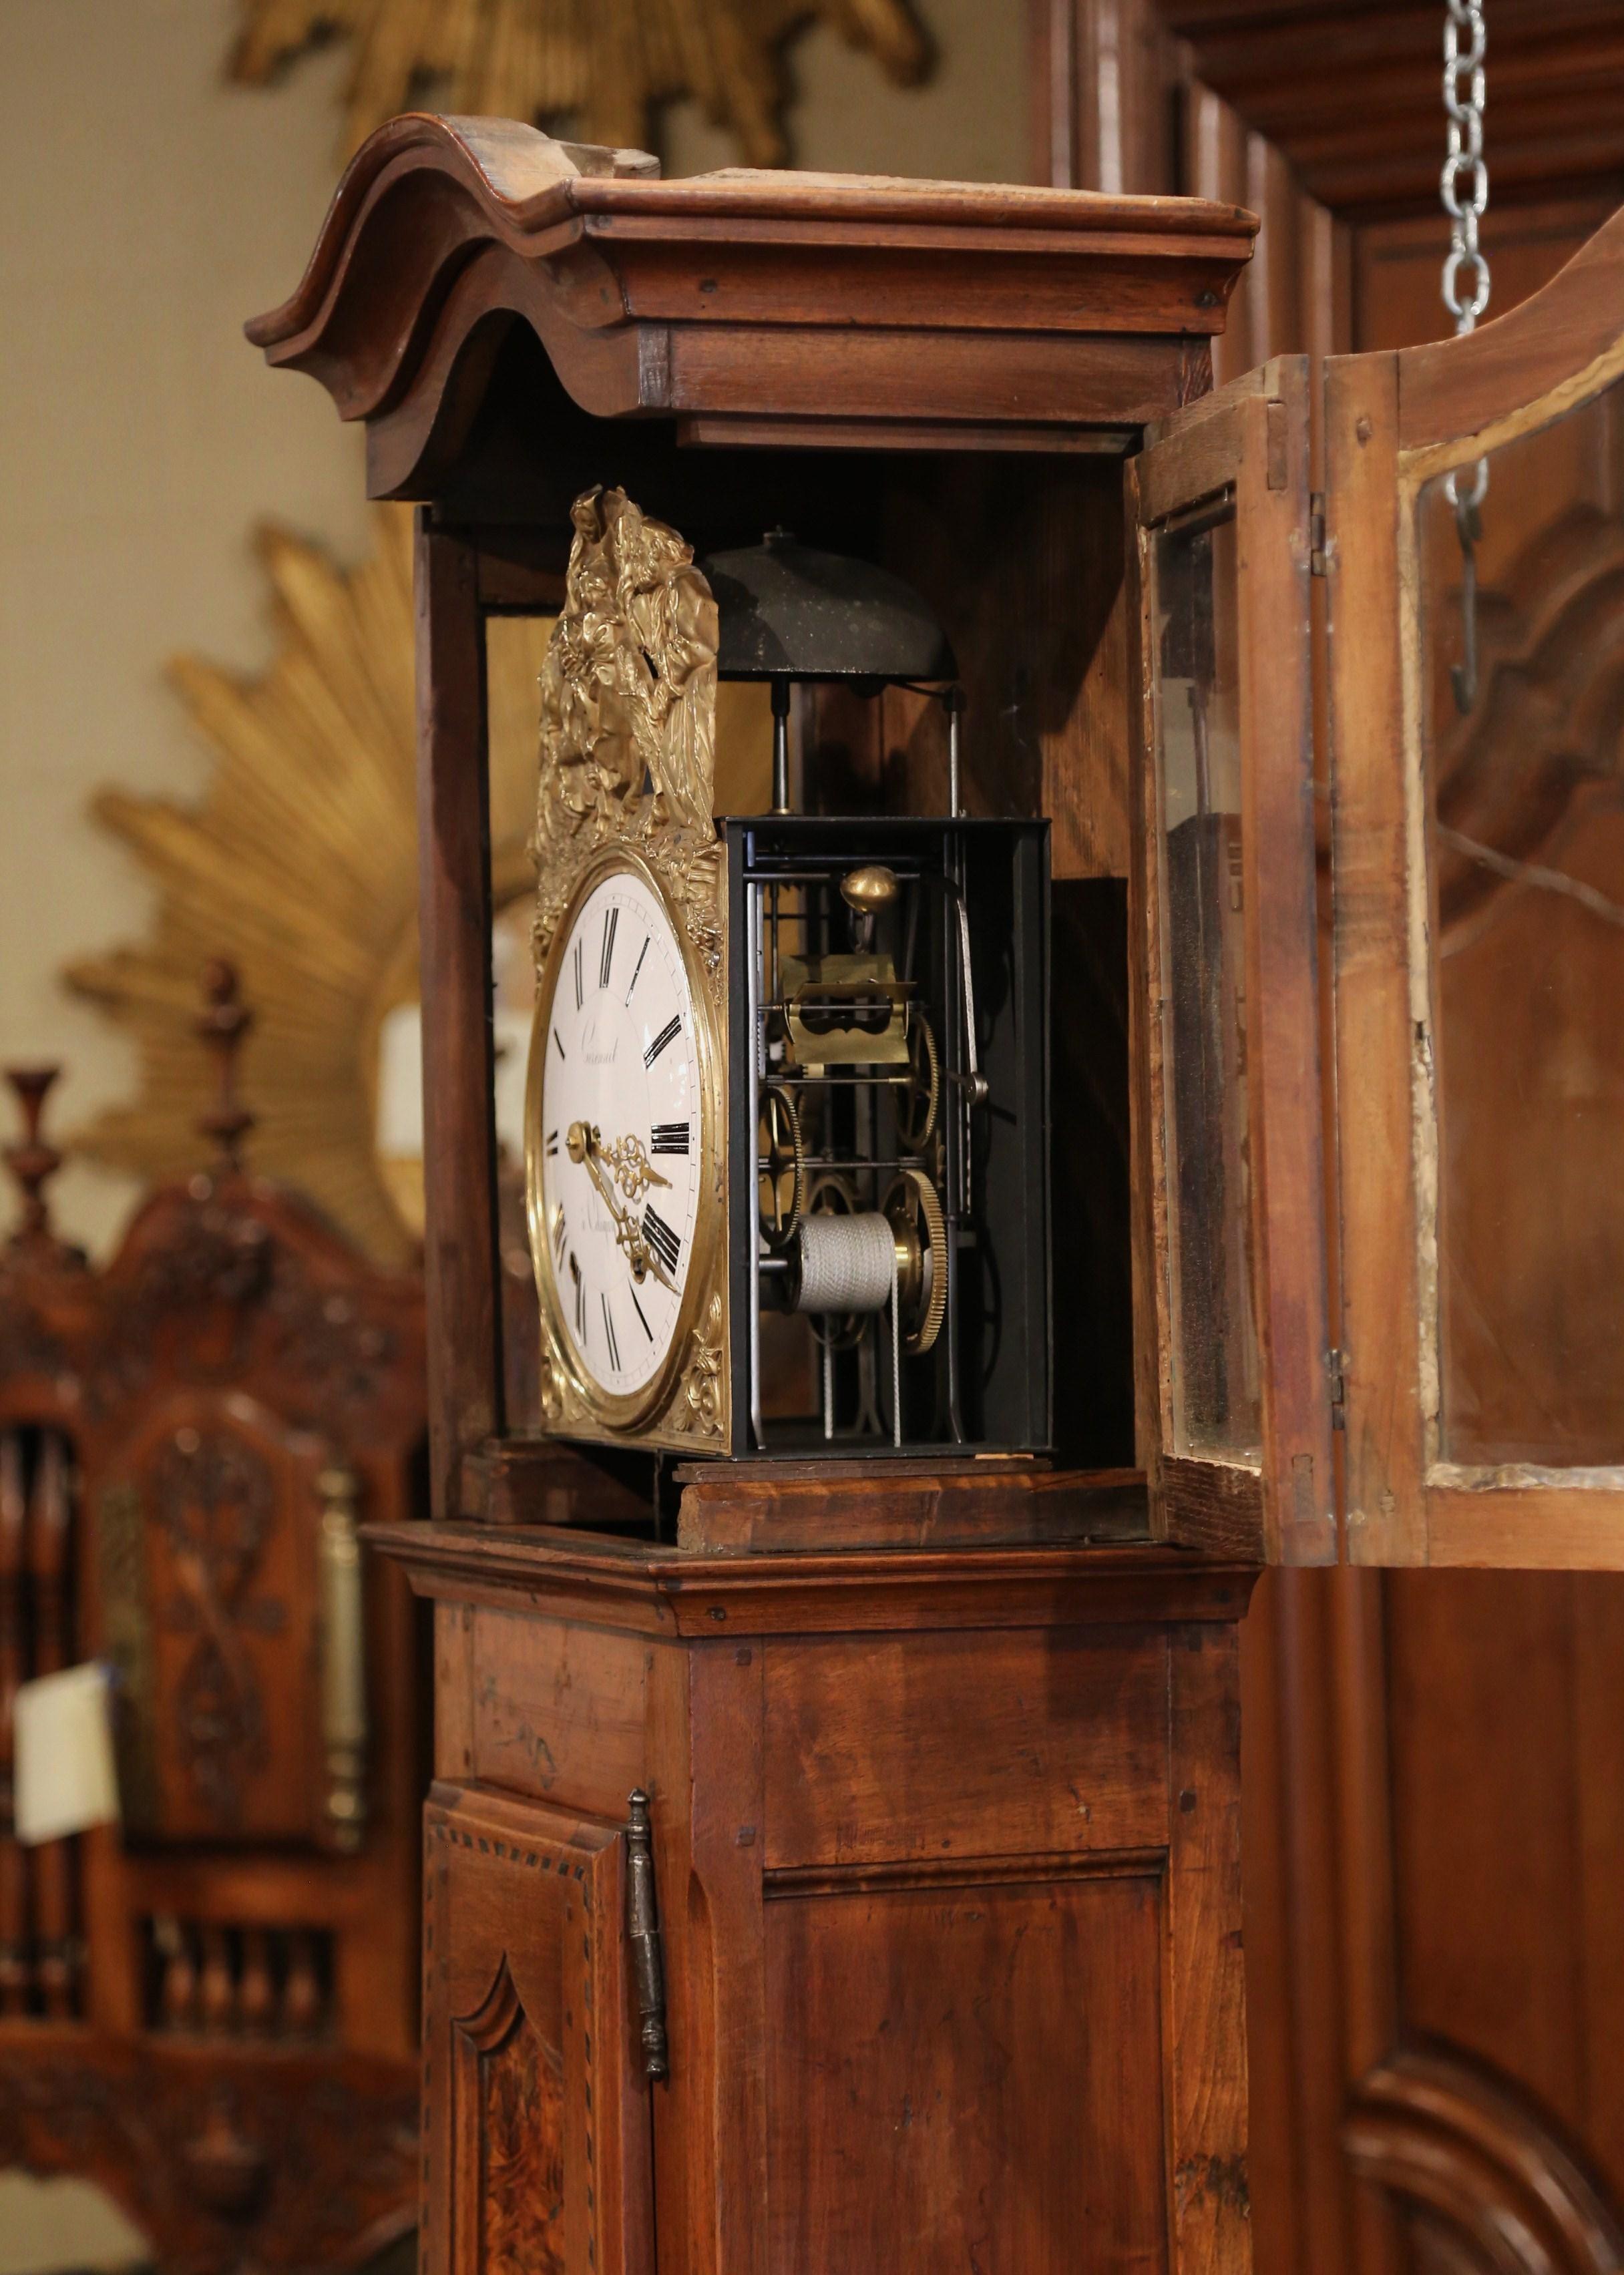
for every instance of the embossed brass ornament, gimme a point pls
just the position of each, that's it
(624, 805)
(628, 719)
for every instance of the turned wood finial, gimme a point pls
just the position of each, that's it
(222, 1026)
(33, 1161)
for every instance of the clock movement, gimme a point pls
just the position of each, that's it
(786, 1156)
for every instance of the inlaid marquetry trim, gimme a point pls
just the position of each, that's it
(934, 1872)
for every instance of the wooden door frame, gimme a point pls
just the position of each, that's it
(1251, 440)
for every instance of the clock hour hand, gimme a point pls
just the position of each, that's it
(583, 1147)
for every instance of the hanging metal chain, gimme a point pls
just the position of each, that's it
(1465, 190)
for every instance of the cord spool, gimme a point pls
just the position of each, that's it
(850, 1266)
(828, 1195)
(844, 1264)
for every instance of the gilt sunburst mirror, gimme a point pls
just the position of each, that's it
(299, 866)
(605, 67)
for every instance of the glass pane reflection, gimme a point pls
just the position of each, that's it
(1217, 1402)
(1528, 843)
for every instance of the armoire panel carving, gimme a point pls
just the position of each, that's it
(1478, 2172)
(509, 2093)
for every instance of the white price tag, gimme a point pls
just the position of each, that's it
(64, 1777)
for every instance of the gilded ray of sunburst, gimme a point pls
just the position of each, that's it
(603, 66)
(299, 865)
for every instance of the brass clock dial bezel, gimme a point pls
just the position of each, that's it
(623, 1414)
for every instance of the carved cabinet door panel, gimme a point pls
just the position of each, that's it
(536, 2149)
(206, 1518)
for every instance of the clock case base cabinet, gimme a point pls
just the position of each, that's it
(984, 1386)
(946, 1872)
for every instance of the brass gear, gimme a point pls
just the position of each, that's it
(913, 1191)
(927, 1083)
(784, 1149)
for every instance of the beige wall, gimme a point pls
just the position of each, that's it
(968, 122)
(147, 209)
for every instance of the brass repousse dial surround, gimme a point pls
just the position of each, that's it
(633, 1301)
(621, 1153)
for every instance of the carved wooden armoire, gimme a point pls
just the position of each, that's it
(1436, 2082)
(209, 2007)
(834, 1865)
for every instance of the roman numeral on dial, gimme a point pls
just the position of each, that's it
(607, 956)
(608, 1333)
(665, 1244)
(637, 969)
(668, 1033)
(580, 986)
(671, 1138)
(580, 1300)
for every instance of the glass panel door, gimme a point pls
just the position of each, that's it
(1475, 520)
(1217, 1405)
(1233, 1232)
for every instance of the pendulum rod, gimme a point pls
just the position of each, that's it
(781, 746)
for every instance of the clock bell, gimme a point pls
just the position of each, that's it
(786, 1131)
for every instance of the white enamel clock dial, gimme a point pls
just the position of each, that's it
(617, 1105)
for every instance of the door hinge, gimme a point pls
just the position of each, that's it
(1336, 1367)
(643, 1926)
(1317, 534)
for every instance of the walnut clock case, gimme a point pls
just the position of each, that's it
(920, 1943)
(852, 1881)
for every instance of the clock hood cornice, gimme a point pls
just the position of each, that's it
(752, 306)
